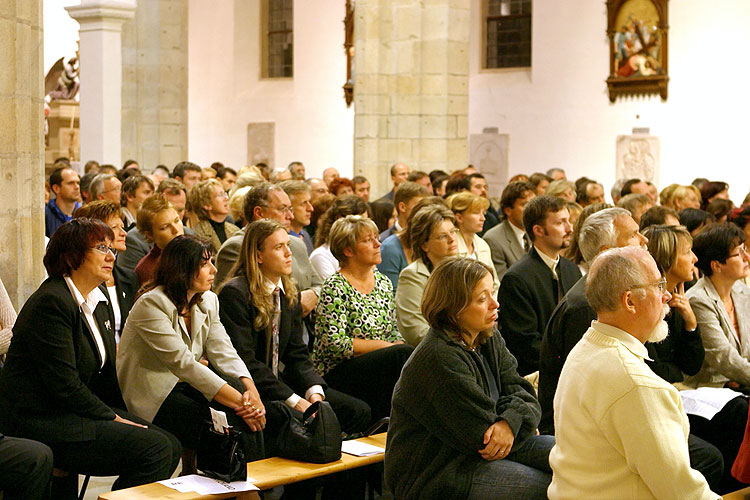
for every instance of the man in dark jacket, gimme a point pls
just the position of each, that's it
(534, 285)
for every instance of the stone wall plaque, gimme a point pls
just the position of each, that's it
(260, 143)
(638, 157)
(489, 154)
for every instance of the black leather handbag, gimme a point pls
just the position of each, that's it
(316, 438)
(220, 455)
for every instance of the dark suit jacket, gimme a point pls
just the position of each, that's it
(569, 321)
(527, 297)
(491, 219)
(126, 285)
(52, 387)
(237, 315)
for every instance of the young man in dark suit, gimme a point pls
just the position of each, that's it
(534, 285)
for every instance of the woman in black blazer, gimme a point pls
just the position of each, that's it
(59, 385)
(263, 299)
(122, 287)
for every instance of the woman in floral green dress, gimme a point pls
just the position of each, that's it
(358, 348)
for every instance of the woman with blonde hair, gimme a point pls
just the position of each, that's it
(358, 348)
(261, 312)
(469, 210)
(682, 197)
(562, 188)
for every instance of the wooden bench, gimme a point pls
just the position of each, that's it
(267, 474)
(743, 494)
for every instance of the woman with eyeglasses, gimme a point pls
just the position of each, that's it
(681, 353)
(210, 203)
(122, 287)
(358, 348)
(433, 236)
(721, 303)
(59, 383)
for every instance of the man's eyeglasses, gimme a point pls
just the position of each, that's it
(283, 209)
(103, 249)
(661, 285)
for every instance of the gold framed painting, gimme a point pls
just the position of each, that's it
(638, 62)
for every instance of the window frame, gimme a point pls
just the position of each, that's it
(264, 33)
(485, 17)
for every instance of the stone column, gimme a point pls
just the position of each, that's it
(21, 148)
(101, 76)
(411, 86)
(155, 80)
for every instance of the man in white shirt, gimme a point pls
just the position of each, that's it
(621, 430)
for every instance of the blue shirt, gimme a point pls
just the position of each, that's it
(54, 217)
(393, 259)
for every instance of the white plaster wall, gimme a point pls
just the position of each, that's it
(60, 31)
(558, 114)
(225, 91)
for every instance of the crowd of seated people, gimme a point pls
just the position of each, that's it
(158, 307)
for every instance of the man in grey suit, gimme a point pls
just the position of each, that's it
(506, 240)
(267, 201)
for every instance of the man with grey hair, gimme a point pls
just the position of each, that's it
(299, 193)
(620, 426)
(268, 201)
(105, 187)
(608, 228)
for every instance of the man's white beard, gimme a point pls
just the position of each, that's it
(661, 330)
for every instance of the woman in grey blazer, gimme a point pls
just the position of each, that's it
(175, 358)
(434, 237)
(721, 303)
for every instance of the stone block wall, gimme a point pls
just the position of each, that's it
(411, 99)
(154, 84)
(21, 148)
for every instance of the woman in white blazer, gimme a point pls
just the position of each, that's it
(175, 358)
(721, 303)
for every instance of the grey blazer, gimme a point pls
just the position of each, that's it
(504, 247)
(156, 351)
(302, 270)
(727, 357)
(411, 282)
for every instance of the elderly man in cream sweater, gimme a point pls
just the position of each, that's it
(621, 429)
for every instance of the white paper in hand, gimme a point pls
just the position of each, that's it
(219, 418)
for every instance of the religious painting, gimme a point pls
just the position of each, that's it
(637, 31)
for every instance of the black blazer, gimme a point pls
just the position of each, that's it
(126, 284)
(237, 314)
(52, 387)
(527, 297)
(570, 320)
